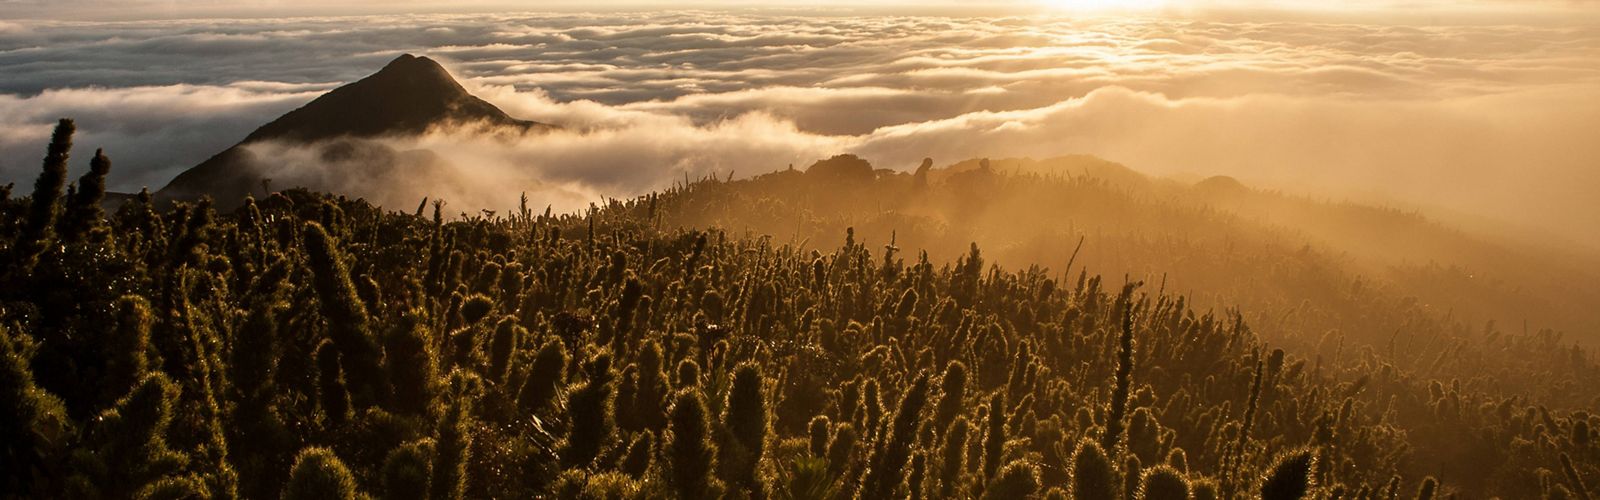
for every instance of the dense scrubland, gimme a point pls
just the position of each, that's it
(312, 346)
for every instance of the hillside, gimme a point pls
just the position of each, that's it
(777, 337)
(1300, 266)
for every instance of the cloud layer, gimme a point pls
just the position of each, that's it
(1485, 120)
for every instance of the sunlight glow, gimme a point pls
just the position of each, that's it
(1104, 5)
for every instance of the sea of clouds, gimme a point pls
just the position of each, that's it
(1495, 121)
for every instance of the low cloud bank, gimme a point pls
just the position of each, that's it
(1487, 121)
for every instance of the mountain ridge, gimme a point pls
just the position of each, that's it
(408, 96)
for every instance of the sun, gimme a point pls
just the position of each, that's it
(1102, 5)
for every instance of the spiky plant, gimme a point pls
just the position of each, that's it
(33, 423)
(1018, 479)
(650, 399)
(952, 457)
(842, 450)
(38, 227)
(1093, 475)
(83, 213)
(544, 379)
(1204, 489)
(130, 439)
(818, 432)
(687, 374)
(408, 470)
(412, 366)
(452, 451)
(331, 385)
(1574, 481)
(887, 469)
(636, 462)
(1290, 478)
(1116, 414)
(346, 316)
(590, 408)
(318, 474)
(745, 416)
(128, 345)
(1427, 489)
(507, 333)
(994, 441)
(919, 476)
(691, 455)
(1163, 483)
(952, 390)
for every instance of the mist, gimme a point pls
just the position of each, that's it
(1488, 124)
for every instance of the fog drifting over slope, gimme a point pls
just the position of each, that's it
(1494, 121)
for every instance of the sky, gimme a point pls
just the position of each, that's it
(1470, 109)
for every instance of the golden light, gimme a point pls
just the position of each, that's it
(1103, 5)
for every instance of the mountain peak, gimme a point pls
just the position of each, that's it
(410, 95)
(417, 69)
(407, 96)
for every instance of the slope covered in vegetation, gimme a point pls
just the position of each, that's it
(307, 346)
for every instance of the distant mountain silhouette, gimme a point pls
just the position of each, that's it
(406, 97)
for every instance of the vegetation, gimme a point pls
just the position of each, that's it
(307, 346)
